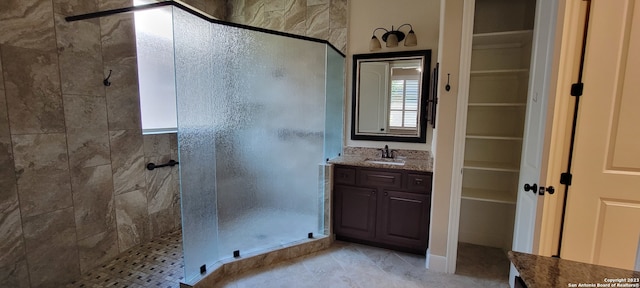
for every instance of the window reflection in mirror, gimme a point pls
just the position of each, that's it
(390, 92)
(403, 102)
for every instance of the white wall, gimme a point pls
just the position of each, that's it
(443, 146)
(367, 15)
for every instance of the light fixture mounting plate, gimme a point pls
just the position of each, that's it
(398, 34)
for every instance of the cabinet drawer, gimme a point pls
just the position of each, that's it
(419, 183)
(345, 175)
(381, 179)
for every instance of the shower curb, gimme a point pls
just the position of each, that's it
(234, 266)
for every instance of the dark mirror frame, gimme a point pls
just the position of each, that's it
(424, 97)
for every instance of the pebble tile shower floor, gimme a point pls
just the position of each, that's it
(159, 263)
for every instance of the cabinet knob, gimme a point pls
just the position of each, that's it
(386, 194)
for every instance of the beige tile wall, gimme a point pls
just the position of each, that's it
(74, 191)
(215, 8)
(322, 19)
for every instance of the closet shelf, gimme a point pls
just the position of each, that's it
(519, 37)
(496, 196)
(490, 137)
(491, 166)
(498, 72)
(501, 104)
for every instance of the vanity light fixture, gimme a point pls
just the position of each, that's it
(392, 37)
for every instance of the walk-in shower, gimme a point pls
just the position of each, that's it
(259, 113)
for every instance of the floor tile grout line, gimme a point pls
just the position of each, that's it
(374, 263)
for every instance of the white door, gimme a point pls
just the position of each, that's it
(602, 223)
(373, 90)
(534, 134)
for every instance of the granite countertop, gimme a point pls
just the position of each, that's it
(540, 271)
(423, 165)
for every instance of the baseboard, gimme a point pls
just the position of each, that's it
(436, 263)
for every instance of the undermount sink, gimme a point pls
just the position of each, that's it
(386, 161)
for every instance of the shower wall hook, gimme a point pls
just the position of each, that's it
(106, 81)
(448, 87)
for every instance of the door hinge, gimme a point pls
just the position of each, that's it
(576, 89)
(565, 178)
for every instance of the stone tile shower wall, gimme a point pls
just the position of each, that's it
(215, 8)
(74, 191)
(323, 19)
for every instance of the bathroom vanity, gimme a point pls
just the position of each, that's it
(384, 205)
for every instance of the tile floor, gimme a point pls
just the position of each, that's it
(354, 265)
(159, 264)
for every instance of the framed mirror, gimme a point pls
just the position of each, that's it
(390, 96)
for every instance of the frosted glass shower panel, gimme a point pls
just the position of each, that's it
(258, 113)
(196, 140)
(270, 93)
(334, 123)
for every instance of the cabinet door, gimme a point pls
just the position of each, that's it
(355, 212)
(404, 219)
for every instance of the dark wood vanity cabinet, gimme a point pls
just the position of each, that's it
(382, 207)
(355, 211)
(404, 219)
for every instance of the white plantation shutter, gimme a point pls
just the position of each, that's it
(403, 112)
